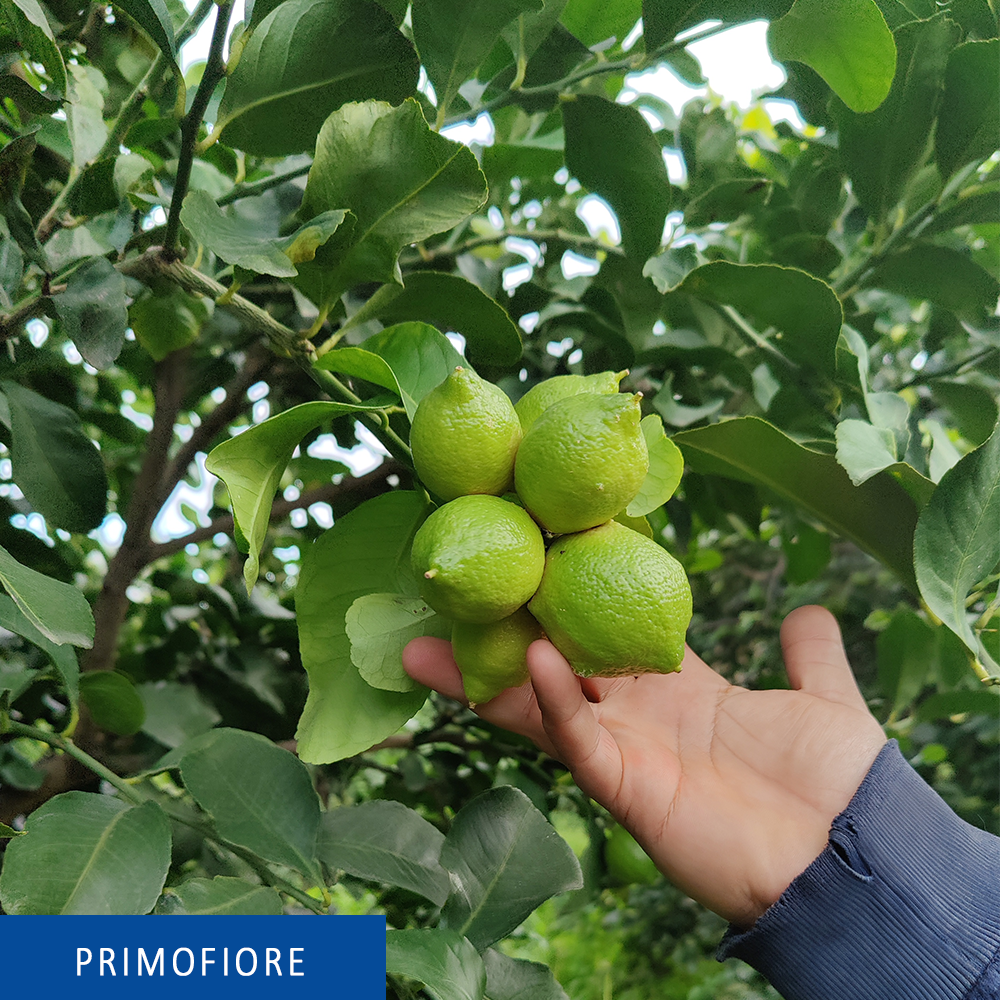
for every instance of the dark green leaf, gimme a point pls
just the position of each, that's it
(515, 979)
(973, 407)
(505, 859)
(969, 120)
(906, 653)
(61, 654)
(222, 897)
(260, 796)
(343, 714)
(980, 204)
(594, 21)
(445, 962)
(113, 701)
(724, 202)
(306, 59)
(175, 712)
(93, 312)
(55, 464)
(154, 18)
(27, 99)
(942, 706)
(33, 33)
(666, 465)
(662, 19)
(807, 552)
(612, 152)
(15, 157)
(87, 854)
(385, 842)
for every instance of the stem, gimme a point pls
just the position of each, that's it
(214, 71)
(264, 184)
(952, 369)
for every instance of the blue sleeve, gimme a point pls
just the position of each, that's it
(903, 903)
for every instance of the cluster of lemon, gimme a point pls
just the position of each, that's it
(611, 600)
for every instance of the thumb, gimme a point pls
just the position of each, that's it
(815, 659)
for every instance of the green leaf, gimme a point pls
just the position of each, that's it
(33, 33)
(260, 796)
(881, 149)
(239, 241)
(505, 859)
(846, 41)
(975, 205)
(54, 463)
(803, 309)
(879, 515)
(87, 854)
(427, 184)
(9, 831)
(15, 158)
(906, 652)
(61, 654)
(942, 706)
(113, 701)
(154, 18)
(612, 152)
(85, 113)
(807, 552)
(969, 119)
(379, 626)
(973, 407)
(59, 611)
(864, 450)
(305, 60)
(221, 897)
(449, 302)
(176, 713)
(455, 36)
(445, 962)
(662, 19)
(594, 21)
(666, 465)
(93, 312)
(722, 202)
(515, 979)
(26, 97)
(361, 364)
(343, 714)
(251, 465)
(166, 322)
(956, 543)
(383, 841)
(945, 276)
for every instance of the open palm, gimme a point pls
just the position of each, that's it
(731, 792)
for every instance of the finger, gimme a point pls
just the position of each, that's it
(815, 659)
(578, 739)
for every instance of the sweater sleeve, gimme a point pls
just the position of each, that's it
(903, 903)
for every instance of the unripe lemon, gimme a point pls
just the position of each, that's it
(492, 657)
(627, 862)
(583, 460)
(464, 437)
(540, 397)
(478, 559)
(614, 602)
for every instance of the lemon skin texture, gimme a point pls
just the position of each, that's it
(478, 559)
(540, 397)
(492, 657)
(614, 603)
(583, 460)
(626, 861)
(464, 436)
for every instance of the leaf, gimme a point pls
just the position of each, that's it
(722, 202)
(61, 654)
(515, 979)
(113, 701)
(361, 364)
(881, 149)
(942, 706)
(223, 897)
(594, 21)
(305, 60)
(33, 33)
(807, 552)
(9, 831)
(383, 841)
(969, 119)
(93, 312)
(85, 113)
(366, 551)
(864, 450)
(505, 859)
(846, 41)
(805, 311)
(455, 36)
(662, 19)
(445, 962)
(251, 465)
(906, 652)
(87, 854)
(879, 515)
(260, 796)
(239, 241)
(379, 626)
(449, 302)
(154, 18)
(666, 465)
(54, 463)
(956, 542)
(166, 322)
(612, 152)
(427, 184)
(15, 158)
(59, 611)
(973, 407)
(175, 712)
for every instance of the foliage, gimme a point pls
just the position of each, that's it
(251, 268)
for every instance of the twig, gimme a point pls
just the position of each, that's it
(252, 188)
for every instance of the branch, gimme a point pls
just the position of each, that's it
(249, 190)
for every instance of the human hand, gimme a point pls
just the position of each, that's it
(730, 792)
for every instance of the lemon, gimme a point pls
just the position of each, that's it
(478, 559)
(540, 397)
(464, 437)
(627, 862)
(492, 657)
(583, 460)
(614, 602)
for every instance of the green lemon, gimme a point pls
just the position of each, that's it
(492, 657)
(540, 397)
(614, 602)
(478, 559)
(583, 460)
(464, 437)
(626, 861)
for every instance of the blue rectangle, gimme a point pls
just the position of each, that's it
(194, 957)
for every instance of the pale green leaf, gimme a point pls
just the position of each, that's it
(445, 962)
(516, 979)
(666, 465)
(221, 896)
